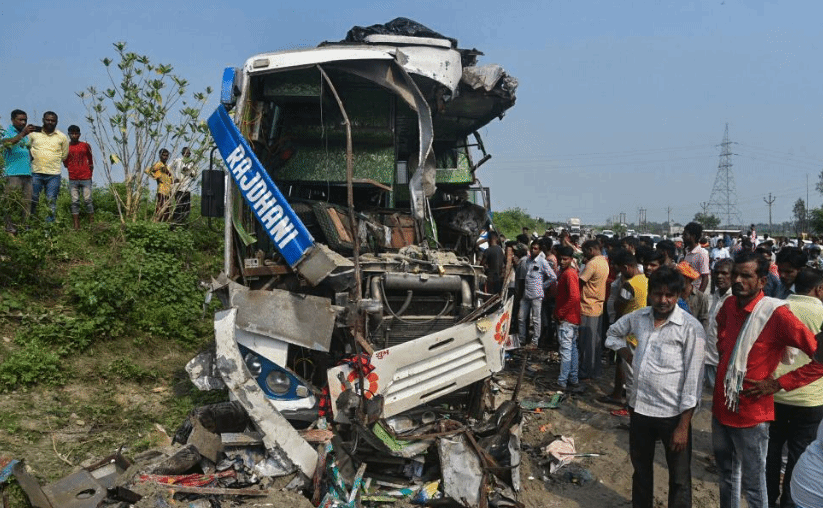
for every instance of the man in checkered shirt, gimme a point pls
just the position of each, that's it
(668, 367)
(539, 276)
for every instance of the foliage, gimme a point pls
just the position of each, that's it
(141, 284)
(143, 107)
(511, 221)
(65, 292)
(800, 215)
(707, 220)
(816, 220)
(30, 365)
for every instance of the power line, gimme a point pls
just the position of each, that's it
(543, 162)
(781, 153)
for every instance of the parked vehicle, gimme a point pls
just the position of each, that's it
(574, 225)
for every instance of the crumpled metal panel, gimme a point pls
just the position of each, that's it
(303, 320)
(462, 474)
(284, 444)
(485, 76)
(416, 372)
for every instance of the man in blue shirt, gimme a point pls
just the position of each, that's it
(15, 148)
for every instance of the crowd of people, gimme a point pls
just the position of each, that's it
(737, 317)
(34, 158)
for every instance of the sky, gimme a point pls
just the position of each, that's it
(620, 105)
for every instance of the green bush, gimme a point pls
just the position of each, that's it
(143, 284)
(63, 291)
(32, 364)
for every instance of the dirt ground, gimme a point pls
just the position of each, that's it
(603, 481)
(55, 429)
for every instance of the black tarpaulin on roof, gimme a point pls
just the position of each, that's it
(397, 26)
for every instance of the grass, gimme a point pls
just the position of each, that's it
(77, 387)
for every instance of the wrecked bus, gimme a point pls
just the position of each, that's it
(352, 209)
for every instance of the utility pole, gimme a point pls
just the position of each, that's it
(705, 206)
(769, 202)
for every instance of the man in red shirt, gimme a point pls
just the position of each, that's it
(567, 312)
(81, 166)
(743, 403)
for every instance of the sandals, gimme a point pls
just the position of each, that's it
(620, 412)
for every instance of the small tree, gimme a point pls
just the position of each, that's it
(800, 214)
(143, 108)
(707, 220)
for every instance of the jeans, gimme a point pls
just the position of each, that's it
(567, 337)
(591, 347)
(796, 427)
(741, 463)
(644, 432)
(534, 306)
(51, 184)
(13, 183)
(75, 188)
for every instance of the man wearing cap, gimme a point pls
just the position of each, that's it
(697, 301)
(743, 402)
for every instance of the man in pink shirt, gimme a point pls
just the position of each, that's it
(696, 256)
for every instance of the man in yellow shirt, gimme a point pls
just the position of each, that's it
(162, 175)
(631, 296)
(797, 413)
(592, 296)
(49, 148)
